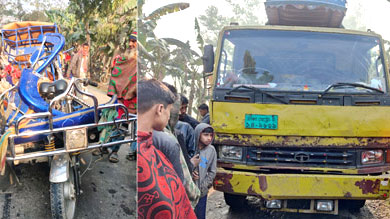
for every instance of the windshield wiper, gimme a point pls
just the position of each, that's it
(343, 84)
(256, 90)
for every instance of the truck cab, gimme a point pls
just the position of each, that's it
(300, 115)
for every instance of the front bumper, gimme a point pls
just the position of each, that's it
(302, 186)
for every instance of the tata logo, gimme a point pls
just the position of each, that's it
(301, 157)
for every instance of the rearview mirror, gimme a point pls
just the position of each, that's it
(208, 58)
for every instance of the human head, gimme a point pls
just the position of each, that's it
(133, 40)
(203, 109)
(155, 98)
(184, 105)
(206, 136)
(85, 49)
(175, 108)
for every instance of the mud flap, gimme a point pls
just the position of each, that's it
(59, 168)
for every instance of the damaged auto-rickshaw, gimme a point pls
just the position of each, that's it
(44, 118)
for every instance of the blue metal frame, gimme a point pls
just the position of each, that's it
(18, 47)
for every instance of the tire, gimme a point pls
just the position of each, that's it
(352, 205)
(236, 202)
(63, 198)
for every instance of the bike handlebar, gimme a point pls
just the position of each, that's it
(87, 82)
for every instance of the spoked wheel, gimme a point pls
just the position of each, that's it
(63, 198)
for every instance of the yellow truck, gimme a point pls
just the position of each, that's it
(301, 116)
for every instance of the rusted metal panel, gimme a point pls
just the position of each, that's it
(301, 141)
(307, 169)
(369, 186)
(302, 186)
(305, 120)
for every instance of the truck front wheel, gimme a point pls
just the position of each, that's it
(235, 201)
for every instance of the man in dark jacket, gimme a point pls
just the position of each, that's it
(204, 112)
(184, 117)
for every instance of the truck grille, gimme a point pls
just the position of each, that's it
(301, 157)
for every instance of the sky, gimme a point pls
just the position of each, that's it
(180, 25)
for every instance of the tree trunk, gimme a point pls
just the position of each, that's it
(192, 92)
(88, 38)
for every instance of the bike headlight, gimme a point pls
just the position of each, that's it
(230, 152)
(76, 139)
(372, 157)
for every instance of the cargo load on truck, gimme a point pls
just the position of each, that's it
(317, 13)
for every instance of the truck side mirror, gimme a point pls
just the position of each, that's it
(208, 58)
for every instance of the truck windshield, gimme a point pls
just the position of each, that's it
(300, 61)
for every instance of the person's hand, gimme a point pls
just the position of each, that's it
(195, 160)
(195, 175)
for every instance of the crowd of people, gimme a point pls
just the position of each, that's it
(176, 161)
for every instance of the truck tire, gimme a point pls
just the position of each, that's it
(63, 198)
(235, 201)
(352, 205)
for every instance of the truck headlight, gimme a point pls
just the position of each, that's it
(372, 156)
(76, 139)
(324, 205)
(230, 152)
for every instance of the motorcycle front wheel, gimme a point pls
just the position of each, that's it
(63, 198)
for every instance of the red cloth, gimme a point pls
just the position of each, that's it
(161, 194)
(67, 57)
(128, 104)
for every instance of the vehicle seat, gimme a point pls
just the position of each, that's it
(50, 90)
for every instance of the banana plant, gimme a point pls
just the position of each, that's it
(105, 25)
(162, 57)
(154, 53)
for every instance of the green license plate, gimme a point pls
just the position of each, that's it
(255, 121)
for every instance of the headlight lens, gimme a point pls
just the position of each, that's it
(230, 152)
(76, 139)
(372, 157)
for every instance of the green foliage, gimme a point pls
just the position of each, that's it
(353, 19)
(106, 25)
(246, 12)
(29, 10)
(155, 53)
(213, 23)
(168, 57)
(167, 9)
(12, 8)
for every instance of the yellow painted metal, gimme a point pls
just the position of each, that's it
(318, 169)
(333, 126)
(309, 141)
(305, 120)
(290, 28)
(301, 186)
